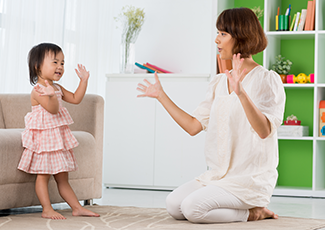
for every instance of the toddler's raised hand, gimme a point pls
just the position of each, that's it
(45, 91)
(82, 73)
(151, 90)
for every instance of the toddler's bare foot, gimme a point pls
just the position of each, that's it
(259, 213)
(51, 214)
(84, 212)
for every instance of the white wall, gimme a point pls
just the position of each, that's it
(177, 35)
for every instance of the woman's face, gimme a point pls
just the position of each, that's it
(225, 45)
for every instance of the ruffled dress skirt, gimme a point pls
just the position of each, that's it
(48, 142)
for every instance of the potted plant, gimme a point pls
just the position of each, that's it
(282, 67)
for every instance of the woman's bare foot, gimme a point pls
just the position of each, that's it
(81, 211)
(51, 214)
(260, 213)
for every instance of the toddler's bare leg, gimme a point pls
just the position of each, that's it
(70, 197)
(42, 192)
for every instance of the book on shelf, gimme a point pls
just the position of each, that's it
(151, 68)
(293, 22)
(313, 16)
(158, 68)
(302, 20)
(296, 22)
(143, 67)
(308, 16)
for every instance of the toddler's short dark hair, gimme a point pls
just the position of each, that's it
(36, 57)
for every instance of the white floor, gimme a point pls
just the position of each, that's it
(283, 206)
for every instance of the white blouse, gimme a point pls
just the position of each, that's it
(239, 160)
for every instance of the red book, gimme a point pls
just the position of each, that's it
(158, 68)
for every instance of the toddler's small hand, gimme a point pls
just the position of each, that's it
(82, 73)
(45, 91)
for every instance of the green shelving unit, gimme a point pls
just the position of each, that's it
(301, 160)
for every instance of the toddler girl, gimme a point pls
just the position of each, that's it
(47, 138)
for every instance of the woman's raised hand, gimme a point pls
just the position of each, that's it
(236, 75)
(45, 91)
(150, 90)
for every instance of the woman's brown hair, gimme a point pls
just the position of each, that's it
(243, 25)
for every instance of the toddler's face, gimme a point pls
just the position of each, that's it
(52, 68)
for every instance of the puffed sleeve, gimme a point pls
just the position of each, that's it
(202, 112)
(270, 98)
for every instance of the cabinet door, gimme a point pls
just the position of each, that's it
(129, 136)
(179, 157)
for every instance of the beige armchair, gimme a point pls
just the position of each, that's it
(17, 187)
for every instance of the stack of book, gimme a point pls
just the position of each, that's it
(304, 20)
(222, 65)
(151, 68)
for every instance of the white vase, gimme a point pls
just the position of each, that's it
(127, 58)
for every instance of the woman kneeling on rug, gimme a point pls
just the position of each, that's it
(241, 112)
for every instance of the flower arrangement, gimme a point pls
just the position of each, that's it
(132, 19)
(258, 11)
(281, 66)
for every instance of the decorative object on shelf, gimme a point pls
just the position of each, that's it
(293, 131)
(292, 128)
(132, 20)
(282, 67)
(322, 118)
(292, 120)
(300, 78)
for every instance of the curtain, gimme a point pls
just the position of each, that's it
(80, 27)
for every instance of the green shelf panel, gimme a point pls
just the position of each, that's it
(300, 102)
(251, 4)
(296, 6)
(295, 163)
(301, 53)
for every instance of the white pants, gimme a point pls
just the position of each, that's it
(205, 204)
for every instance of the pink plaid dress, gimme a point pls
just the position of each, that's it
(48, 141)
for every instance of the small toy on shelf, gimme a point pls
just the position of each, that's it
(310, 78)
(322, 118)
(292, 120)
(300, 78)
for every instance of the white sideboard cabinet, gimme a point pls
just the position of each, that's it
(144, 147)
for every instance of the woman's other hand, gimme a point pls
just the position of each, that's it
(151, 90)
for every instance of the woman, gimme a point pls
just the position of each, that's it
(241, 112)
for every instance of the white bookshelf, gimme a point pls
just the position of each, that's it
(273, 49)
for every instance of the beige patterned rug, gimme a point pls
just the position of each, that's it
(132, 218)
